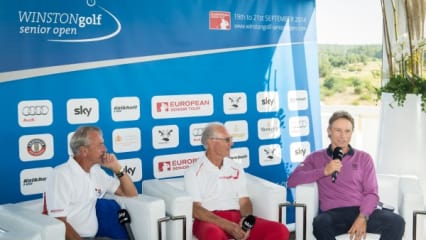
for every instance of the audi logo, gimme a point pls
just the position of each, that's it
(35, 110)
(197, 131)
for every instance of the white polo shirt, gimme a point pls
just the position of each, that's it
(72, 193)
(216, 189)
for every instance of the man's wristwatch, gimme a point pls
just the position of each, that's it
(364, 216)
(120, 173)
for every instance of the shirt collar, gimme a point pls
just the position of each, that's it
(76, 167)
(350, 152)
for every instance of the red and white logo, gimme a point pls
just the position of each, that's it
(219, 20)
(174, 165)
(174, 106)
(36, 147)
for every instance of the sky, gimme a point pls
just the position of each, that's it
(349, 22)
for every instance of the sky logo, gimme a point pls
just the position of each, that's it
(267, 101)
(83, 110)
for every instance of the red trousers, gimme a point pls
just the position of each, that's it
(263, 229)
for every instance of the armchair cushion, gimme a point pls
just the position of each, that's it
(108, 224)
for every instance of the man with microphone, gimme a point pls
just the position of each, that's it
(218, 187)
(347, 188)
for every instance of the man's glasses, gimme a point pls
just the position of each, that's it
(227, 139)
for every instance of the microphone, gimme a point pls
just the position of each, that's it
(337, 154)
(248, 223)
(124, 219)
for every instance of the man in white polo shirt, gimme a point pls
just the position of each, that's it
(218, 188)
(74, 186)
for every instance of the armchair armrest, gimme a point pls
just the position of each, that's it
(306, 194)
(415, 232)
(178, 205)
(145, 211)
(266, 197)
(411, 200)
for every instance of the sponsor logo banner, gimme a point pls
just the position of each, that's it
(175, 106)
(299, 151)
(195, 132)
(126, 140)
(297, 100)
(33, 181)
(267, 101)
(36, 147)
(166, 136)
(125, 109)
(270, 155)
(133, 167)
(238, 130)
(219, 20)
(235, 103)
(268, 128)
(299, 126)
(83, 110)
(35, 113)
(241, 155)
(174, 165)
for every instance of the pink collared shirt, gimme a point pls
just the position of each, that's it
(356, 184)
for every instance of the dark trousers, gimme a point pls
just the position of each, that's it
(338, 221)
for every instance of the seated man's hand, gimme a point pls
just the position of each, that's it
(358, 231)
(109, 160)
(236, 231)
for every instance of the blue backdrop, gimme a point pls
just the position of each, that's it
(151, 74)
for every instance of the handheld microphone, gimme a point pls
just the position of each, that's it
(124, 219)
(248, 223)
(337, 154)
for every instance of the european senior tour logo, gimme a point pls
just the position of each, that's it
(87, 22)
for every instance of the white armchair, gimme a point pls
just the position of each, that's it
(24, 220)
(401, 192)
(18, 222)
(265, 196)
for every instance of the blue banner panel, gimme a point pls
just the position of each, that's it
(152, 75)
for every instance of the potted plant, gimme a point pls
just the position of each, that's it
(404, 58)
(402, 132)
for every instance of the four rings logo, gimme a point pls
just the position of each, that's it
(35, 113)
(197, 132)
(35, 110)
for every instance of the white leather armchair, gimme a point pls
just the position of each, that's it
(25, 221)
(265, 196)
(18, 222)
(402, 192)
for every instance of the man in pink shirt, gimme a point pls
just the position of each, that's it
(347, 188)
